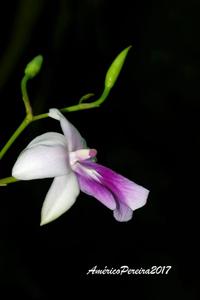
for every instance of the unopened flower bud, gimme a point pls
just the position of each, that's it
(34, 66)
(115, 68)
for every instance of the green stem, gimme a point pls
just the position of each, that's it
(103, 97)
(80, 106)
(39, 117)
(5, 181)
(72, 108)
(25, 95)
(15, 135)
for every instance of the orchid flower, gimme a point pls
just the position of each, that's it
(66, 158)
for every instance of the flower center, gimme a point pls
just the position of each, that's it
(82, 154)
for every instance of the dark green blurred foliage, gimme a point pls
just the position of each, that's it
(148, 130)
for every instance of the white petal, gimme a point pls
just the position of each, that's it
(60, 197)
(46, 156)
(49, 139)
(74, 139)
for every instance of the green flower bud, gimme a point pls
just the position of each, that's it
(34, 66)
(115, 68)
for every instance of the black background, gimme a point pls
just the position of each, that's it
(147, 130)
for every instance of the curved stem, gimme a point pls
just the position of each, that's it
(79, 106)
(103, 97)
(25, 95)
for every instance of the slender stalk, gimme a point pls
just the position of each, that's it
(103, 97)
(39, 117)
(25, 96)
(72, 108)
(77, 107)
(14, 136)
